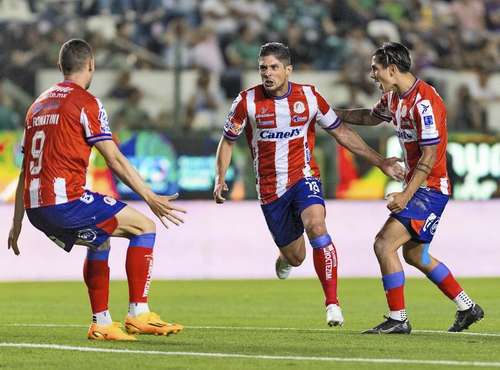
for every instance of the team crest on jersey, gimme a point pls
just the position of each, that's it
(87, 198)
(87, 235)
(299, 107)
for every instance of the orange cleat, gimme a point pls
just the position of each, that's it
(150, 323)
(108, 332)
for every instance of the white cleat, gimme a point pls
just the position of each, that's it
(283, 268)
(334, 315)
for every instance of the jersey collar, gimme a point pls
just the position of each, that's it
(410, 90)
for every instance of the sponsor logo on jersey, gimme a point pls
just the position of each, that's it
(407, 135)
(424, 107)
(272, 134)
(232, 127)
(403, 111)
(299, 107)
(87, 235)
(428, 121)
(299, 119)
(109, 201)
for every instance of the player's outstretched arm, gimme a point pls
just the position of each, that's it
(350, 139)
(222, 161)
(160, 205)
(361, 117)
(17, 220)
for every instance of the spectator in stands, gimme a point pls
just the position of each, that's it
(244, 50)
(9, 119)
(466, 115)
(123, 88)
(131, 115)
(201, 109)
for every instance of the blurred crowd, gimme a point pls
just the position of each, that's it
(221, 38)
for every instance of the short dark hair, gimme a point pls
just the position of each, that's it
(73, 55)
(393, 53)
(277, 49)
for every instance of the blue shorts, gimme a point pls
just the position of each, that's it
(422, 214)
(283, 214)
(86, 221)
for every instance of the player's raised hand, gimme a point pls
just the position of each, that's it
(162, 207)
(392, 168)
(14, 232)
(220, 187)
(396, 202)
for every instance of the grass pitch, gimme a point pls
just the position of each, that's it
(257, 324)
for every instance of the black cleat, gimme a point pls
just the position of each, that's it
(464, 319)
(390, 326)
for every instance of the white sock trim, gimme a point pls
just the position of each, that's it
(137, 308)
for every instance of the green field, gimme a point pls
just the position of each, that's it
(257, 324)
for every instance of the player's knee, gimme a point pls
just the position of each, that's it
(379, 246)
(145, 226)
(295, 260)
(411, 257)
(315, 229)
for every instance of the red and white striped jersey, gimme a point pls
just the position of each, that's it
(281, 134)
(60, 128)
(419, 116)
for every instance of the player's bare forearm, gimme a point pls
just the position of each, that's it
(422, 170)
(18, 205)
(350, 139)
(17, 220)
(362, 116)
(223, 158)
(117, 162)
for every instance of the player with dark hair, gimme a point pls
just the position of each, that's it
(419, 116)
(61, 127)
(279, 120)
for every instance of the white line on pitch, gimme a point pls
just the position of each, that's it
(254, 357)
(256, 328)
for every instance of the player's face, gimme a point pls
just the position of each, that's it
(274, 75)
(383, 76)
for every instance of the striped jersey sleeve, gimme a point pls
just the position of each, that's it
(326, 117)
(426, 121)
(236, 119)
(381, 109)
(94, 120)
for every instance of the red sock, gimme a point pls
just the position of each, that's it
(325, 264)
(139, 265)
(96, 276)
(396, 298)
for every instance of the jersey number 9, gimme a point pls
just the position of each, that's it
(37, 152)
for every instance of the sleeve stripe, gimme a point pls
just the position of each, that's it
(381, 116)
(230, 137)
(334, 125)
(430, 141)
(96, 138)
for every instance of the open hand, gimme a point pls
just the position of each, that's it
(392, 168)
(13, 237)
(220, 187)
(396, 202)
(162, 207)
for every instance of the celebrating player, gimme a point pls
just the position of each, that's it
(419, 117)
(279, 119)
(61, 127)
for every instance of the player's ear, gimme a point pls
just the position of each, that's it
(91, 65)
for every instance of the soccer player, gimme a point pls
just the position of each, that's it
(279, 120)
(419, 117)
(61, 127)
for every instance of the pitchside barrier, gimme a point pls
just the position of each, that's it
(232, 241)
